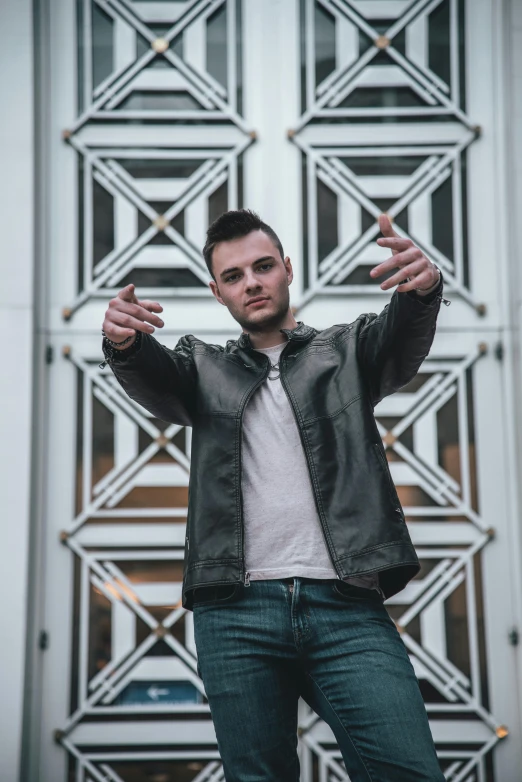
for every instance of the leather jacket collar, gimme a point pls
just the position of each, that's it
(301, 333)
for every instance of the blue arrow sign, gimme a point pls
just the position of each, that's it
(149, 693)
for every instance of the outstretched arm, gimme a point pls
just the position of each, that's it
(162, 380)
(393, 345)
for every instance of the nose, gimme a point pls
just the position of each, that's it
(252, 282)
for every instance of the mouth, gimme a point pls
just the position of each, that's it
(257, 301)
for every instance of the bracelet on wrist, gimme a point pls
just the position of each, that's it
(113, 352)
(117, 344)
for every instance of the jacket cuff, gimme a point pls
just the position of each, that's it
(115, 356)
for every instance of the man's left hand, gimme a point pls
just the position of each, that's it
(423, 276)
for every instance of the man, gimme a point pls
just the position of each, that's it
(295, 533)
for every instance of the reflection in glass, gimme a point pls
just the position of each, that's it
(102, 36)
(449, 447)
(102, 442)
(217, 45)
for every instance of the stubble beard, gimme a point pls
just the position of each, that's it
(268, 323)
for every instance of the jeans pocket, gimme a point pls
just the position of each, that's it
(214, 594)
(351, 592)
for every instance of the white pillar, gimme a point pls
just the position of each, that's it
(511, 94)
(506, 131)
(16, 328)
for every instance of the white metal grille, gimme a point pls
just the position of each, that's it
(376, 154)
(159, 145)
(426, 429)
(147, 190)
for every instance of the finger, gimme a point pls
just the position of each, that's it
(146, 314)
(124, 320)
(397, 243)
(127, 293)
(409, 255)
(141, 313)
(386, 226)
(421, 281)
(413, 270)
(120, 308)
(151, 306)
(117, 333)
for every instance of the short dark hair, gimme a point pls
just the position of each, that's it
(234, 225)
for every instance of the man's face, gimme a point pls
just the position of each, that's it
(252, 280)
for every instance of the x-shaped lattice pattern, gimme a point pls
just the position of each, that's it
(154, 222)
(132, 71)
(135, 198)
(106, 766)
(107, 539)
(450, 547)
(132, 468)
(334, 151)
(356, 69)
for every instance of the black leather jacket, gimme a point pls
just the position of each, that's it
(333, 379)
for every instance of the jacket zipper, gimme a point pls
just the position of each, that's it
(305, 449)
(245, 574)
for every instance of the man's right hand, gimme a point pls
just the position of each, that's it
(126, 315)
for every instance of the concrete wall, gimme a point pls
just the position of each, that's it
(16, 327)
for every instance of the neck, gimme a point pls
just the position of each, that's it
(272, 336)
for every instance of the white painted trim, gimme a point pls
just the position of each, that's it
(497, 464)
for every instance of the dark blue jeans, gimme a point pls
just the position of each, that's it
(261, 647)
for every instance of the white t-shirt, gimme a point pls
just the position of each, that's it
(283, 532)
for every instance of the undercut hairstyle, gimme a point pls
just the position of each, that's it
(234, 225)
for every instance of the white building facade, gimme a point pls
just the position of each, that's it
(128, 125)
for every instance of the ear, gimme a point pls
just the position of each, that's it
(215, 290)
(289, 271)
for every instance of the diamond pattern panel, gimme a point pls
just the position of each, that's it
(135, 642)
(149, 189)
(160, 140)
(427, 429)
(383, 128)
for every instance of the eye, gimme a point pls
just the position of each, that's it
(265, 266)
(231, 278)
